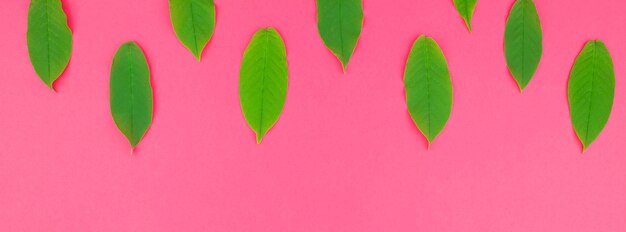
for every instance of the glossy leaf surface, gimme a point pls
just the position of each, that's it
(339, 23)
(263, 81)
(428, 87)
(466, 10)
(49, 39)
(194, 23)
(131, 92)
(523, 41)
(590, 91)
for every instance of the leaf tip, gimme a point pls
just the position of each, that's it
(344, 62)
(259, 137)
(520, 84)
(133, 142)
(585, 146)
(129, 43)
(270, 29)
(51, 86)
(468, 24)
(429, 140)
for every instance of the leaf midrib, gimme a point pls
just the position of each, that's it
(593, 78)
(467, 15)
(428, 66)
(263, 75)
(341, 32)
(132, 95)
(48, 43)
(193, 28)
(523, 3)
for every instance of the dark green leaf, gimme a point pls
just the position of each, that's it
(263, 81)
(194, 22)
(522, 41)
(339, 23)
(590, 91)
(428, 87)
(49, 39)
(131, 92)
(466, 10)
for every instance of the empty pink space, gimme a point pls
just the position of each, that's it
(344, 156)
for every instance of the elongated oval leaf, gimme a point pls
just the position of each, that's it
(590, 91)
(523, 41)
(194, 22)
(428, 87)
(339, 23)
(49, 39)
(131, 92)
(466, 10)
(263, 81)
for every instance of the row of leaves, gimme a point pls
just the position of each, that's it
(264, 72)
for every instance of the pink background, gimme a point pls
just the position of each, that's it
(344, 156)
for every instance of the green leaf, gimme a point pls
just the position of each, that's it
(339, 23)
(466, 10)
(590, 91)
(49, 39)
(522, 41)
(194, 22)
(263, 81)
(131, 92)
(428, 87)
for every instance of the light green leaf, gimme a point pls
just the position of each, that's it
(466, 10)
(522, 41)
(131, 92)
(590, 91)
(428, 87)
(263, 81)
(339, 23)
(194, 22)
(49, 39)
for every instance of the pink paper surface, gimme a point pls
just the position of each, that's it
(344, 156)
